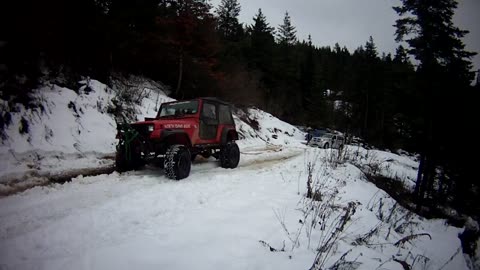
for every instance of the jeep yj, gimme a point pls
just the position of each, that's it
(180, 131)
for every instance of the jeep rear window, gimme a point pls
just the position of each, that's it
(179, 108)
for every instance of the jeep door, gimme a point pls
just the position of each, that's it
(208, 121)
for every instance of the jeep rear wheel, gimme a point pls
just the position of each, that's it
(325, 146)
(177, 162)
(230, 156)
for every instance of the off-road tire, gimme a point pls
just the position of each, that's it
(326, 146)
(229, 155)
(177, 162)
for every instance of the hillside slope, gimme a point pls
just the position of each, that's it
(257, 216)
(65, 130)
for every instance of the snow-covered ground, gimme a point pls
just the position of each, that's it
(68, 130)
(75, 130)
(256, 216)
(218, 219)
(402, 168)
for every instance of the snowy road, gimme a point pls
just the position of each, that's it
(214, 219)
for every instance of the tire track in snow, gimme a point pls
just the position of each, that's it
(257, 157)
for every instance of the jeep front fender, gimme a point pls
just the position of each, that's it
(171, 137)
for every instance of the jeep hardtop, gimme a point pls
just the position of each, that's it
(180, 131)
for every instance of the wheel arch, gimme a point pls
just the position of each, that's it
(176, 137)
(229, 134)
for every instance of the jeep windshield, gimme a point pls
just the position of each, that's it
(179, 108)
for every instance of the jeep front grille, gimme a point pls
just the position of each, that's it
(142, 130)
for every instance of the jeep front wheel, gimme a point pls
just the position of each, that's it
(177, 162)
(230, 156)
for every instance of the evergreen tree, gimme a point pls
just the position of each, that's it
(337, 49)
(262, 41)
(261, 30)
(369, 86)
(306, 77)
(371, 49)
(285, 73)
(477, 81)
(286, 34)
(401, 55)
(444, 65)
(437, 41)
(186, 29)
(228, 25)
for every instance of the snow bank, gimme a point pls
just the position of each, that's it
(216, 218)
(402, 168)
(66, 129)
(221, 219)
(70, 129)
(268, 128)
(64, 121)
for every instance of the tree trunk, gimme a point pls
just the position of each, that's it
(431, 177)
(418, 184)
(365, 120)
(382, 128)
(441, 194)
(180, 72)
(110, 58)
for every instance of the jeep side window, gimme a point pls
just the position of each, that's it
(224, 115)
(209, 111)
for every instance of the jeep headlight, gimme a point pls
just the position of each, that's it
(150, 128)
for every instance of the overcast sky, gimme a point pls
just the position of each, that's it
(351, 22)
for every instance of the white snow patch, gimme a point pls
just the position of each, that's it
(74, 129)
(402, 168)
(67, 129)
(272, 130)
(214, 219)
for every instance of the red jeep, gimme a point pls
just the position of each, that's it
(181, 131)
